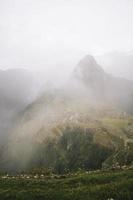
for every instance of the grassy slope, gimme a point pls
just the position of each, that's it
(102, 185)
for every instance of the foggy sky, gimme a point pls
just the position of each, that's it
(38, 34)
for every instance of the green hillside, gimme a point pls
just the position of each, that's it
(87, 139)
(103, 185)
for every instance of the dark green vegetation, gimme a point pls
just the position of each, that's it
(82, 128)
(78, 148)
(104, 185)
(73, 150)
(106, 143)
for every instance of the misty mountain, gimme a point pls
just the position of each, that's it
(119, 64)
(91, 76)
(100, 86)
(91, 102)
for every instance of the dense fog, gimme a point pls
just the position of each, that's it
(58, 60)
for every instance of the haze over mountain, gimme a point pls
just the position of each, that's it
(66, 99)
(17, 90)
(102, 86)
(87, 99)
(117, 63)
(38, 35)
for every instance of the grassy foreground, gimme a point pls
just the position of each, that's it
(99, 185)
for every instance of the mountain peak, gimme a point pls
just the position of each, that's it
(88, 69)
(88, 60)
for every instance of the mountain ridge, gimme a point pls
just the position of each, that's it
(59, 114)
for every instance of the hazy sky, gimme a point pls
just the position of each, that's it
(40, 33)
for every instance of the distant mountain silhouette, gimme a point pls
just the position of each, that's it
(102, 86)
